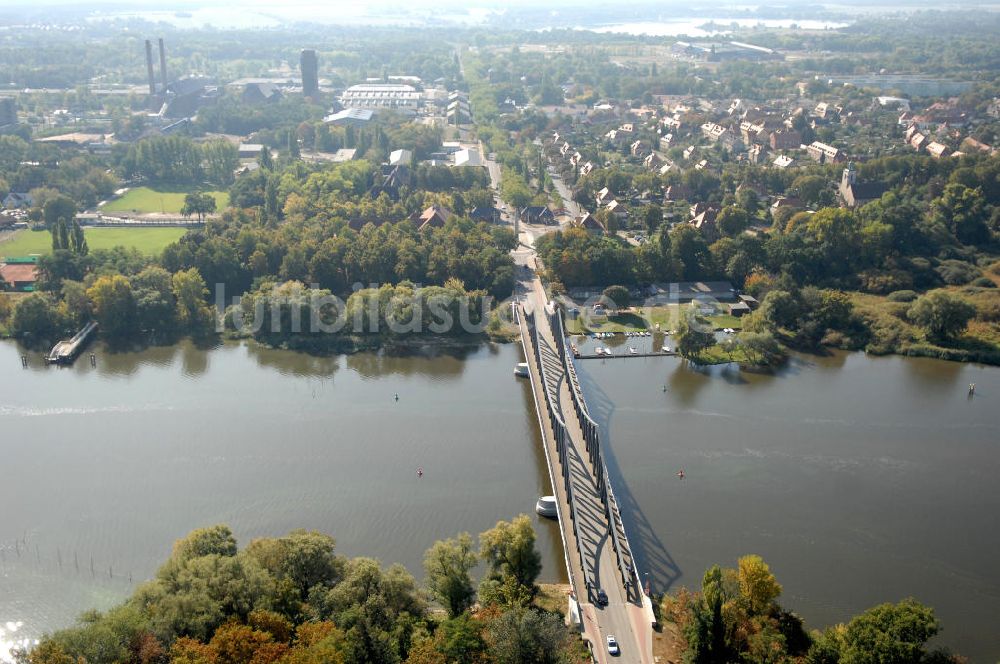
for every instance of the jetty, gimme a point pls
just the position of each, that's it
(66, 350)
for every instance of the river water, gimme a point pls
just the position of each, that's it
(859, 479)
(112, 464)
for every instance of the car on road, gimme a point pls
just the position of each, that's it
(613, 645)
(602, 597)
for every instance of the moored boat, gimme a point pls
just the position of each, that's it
(546, 506)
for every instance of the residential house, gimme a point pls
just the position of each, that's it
(652, 162)
(434, 216)
(938, 150)
(489, 215)
(618, 210)
(400, 157)
(824, 153)
(590, 223)
(17, 200)
(703, 218)
(604, 196)
(783, 161)
(786, 139)
(537, 214)
(712, 131)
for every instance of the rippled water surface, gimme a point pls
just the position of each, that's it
(859, 479)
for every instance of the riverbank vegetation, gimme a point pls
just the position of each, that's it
(293, 600)
(735, 616)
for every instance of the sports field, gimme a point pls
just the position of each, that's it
(145, 200)
(149, 241)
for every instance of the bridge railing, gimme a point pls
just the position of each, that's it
(591, 436)
(561, 436)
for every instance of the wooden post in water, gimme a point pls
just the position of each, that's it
(24, 361)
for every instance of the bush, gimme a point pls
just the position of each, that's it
(983, 282)
(885, 281)
(902, 296)
(955, 272)
(941, 314)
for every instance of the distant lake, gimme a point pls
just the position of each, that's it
(694, 27)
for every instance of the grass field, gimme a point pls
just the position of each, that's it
(145, 200)
(149, 241)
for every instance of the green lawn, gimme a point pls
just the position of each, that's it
(143, 200)
(149, 241)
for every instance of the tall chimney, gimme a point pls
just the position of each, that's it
(149, 67)
(163, 64)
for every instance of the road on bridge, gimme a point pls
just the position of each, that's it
(627, 621)
(596, 559)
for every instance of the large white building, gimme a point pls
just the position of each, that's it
(381, 95)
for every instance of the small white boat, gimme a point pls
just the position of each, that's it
(521, 370)
(632, 351)
(546, 506)
(666, 349)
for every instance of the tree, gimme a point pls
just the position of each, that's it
(265, 160)
(689, 251)
(74, 295)
(889, 634)
(619, 295)
(221, 160)
(509, 549)
(78, 241)
(652, 217)
(963, 211)
(779, 309)
(460, 639)
(56, 208)
(36, 318)
(526, 635)
(810, 188)
(114, 305)
(448, 563)
(199, 204)
(212, 541)
(732, 221)
(760, 347)
(941, 314)
(757, 584)
(190, 291)
(694, 333)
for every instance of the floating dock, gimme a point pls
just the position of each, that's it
(66, 350)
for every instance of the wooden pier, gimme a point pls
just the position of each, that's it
(66, 350)
(622, 356)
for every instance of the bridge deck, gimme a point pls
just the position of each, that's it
(587, 535)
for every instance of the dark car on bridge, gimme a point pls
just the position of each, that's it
(602, 597)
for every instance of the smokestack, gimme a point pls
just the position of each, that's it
(163, 64)
(149, 67)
